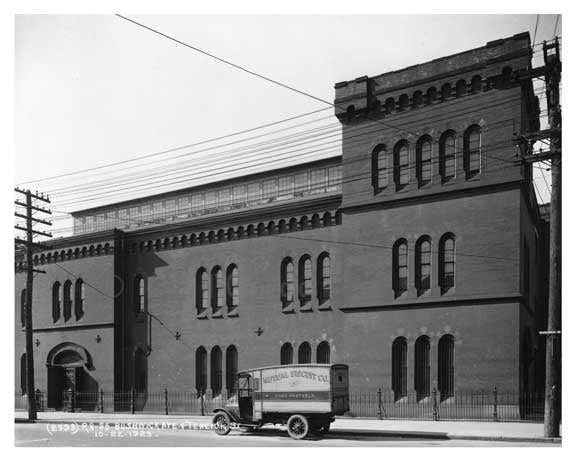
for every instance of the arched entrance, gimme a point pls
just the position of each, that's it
(68, 366)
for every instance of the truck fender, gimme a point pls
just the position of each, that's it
(224, 410)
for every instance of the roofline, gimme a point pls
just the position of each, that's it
(489, 44)
(210, 185)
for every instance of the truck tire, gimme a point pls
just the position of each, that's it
(221, 422)
(298, 427)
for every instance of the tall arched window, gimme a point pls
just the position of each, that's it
(400, 368)
(67, 311)
(305, 279)
(231, 369)
(216, 370)
(323, 277)
(287, 282)
(79, 297)
(23, 308)
(201, 370)
(140, 371)
(56, 301)
(139, 294)
(424, 161)
(400, 267)
(446, 367)
(232, 288)
(286, 354)
(201, 290)
(446, 263)
(422, 367)
(323, 352)
(448, 156)
(379, 167)
(472, 151)
(304, 353)
(217, 289)
(401, 165)
(23, 374)
(423, 264)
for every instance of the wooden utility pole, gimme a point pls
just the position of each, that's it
(29, 243)
(552, 410)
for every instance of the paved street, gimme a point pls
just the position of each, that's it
(35, 435)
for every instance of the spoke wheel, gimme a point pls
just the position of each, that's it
(298, 427)
(221, 423)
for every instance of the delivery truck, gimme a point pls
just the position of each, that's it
(305, 398)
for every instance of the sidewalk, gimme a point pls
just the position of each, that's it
(465, 430)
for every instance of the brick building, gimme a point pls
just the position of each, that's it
(413, 257)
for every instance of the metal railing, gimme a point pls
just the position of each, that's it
(491, 405)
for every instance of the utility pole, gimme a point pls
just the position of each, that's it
(552, 409)
(29, 243)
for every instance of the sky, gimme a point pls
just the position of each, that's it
(95, 89)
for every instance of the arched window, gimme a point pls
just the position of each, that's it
(423, 265)
(67, 311)
(305, 279)
(201, 290)
(216, 370)
(460, 88)
(476, 84)
(401, 165)
(448, 156)
(323, 278)
(286, 354)
(217, 289)
(323, 352)
(446, 91)
(422, 367)
(446, 367)
(23, 308)
(446, 262)
(400, 267)
(403, 102)
(424, 161)
(379, 167)
(417, 99)
(201, 370)
(390, 105)
(431, 95)
(23, 374)
(56, 301)
(287, 282)
(140, 371)
(232, 288)
(79, 297)
(399, 368)
(139, 294)
(304, 353)
(472, 151)
(231, 369)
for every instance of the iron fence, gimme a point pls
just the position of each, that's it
(492, 405)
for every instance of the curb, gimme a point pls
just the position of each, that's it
(345, 432)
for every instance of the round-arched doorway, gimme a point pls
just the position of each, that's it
(69, 382)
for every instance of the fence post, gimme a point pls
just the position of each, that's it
(132, 401)
(72, 399)
(379, 403)
(101, 401)
(435, 414)
(166, 400)
(202, 401)
(495, 414)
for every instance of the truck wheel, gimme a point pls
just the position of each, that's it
(298, 427)
(221, 422)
